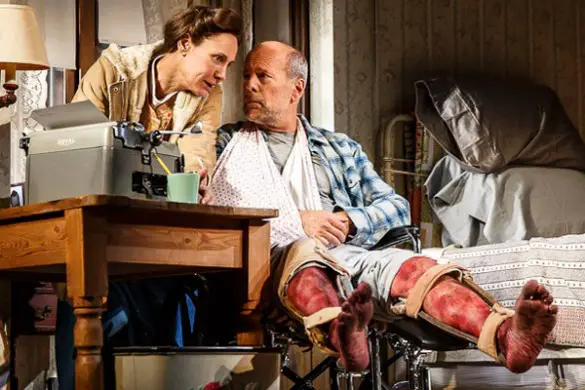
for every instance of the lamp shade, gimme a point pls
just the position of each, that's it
(21, 44)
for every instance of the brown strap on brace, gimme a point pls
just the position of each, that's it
(321, 317)
(425, 283)
(488, 336)
(318, 337)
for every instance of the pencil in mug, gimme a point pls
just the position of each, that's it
(168, 171)
(161, 163)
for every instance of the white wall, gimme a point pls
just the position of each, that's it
(321, 82)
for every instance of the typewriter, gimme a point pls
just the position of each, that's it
(81, 153)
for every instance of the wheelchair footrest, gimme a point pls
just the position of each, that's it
(425, 336)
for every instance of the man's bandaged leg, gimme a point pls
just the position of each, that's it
(303, 254)
(487, 339)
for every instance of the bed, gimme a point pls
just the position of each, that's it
(516, 217)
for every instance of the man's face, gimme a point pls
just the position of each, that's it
(267, 88)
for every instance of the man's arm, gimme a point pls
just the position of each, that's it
(384, 209)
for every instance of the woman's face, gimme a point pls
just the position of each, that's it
(205, 65)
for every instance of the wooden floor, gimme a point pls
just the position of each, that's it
(302, 363)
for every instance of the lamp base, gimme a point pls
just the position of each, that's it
(10, 97)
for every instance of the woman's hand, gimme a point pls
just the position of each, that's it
(204, 189)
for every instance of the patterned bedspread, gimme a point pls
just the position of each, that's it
(558, 263)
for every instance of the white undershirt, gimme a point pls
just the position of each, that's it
(156, 102)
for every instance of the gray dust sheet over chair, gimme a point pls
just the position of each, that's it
(515, 204)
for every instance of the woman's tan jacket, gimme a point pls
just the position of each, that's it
(118, 85)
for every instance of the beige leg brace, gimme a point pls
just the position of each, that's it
(303, 254)
(487, 338)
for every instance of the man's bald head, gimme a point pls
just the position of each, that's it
(295, 61)
(275, 76)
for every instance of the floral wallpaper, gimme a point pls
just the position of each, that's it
(355, 71)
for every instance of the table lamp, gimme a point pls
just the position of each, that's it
(21, 46)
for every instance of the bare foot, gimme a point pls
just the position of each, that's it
(348, 331)
(522, 337)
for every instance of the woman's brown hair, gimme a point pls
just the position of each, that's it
(199, 22)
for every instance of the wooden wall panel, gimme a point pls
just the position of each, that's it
(566, 56)
(301, 363)
(493, 46)
(362, 81)
(442, 37)
(87, 35)
(317, 357)
(416, 48)
(580, 38)
(389, 48)
(467, 38)
(517, 47)
(340, 65)
(543, 42)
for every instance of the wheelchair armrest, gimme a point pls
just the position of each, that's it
(400, 235)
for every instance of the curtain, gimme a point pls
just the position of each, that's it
(31, 93)
(56, 19)
(134, 22)
(121, 22)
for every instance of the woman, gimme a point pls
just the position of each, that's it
(171, 84)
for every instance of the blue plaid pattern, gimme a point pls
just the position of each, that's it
(371, 204)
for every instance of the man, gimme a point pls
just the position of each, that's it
(333, 208)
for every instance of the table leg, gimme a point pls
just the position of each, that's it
(8, 363)
(250, 331)
(87, 286)
(257, 268)
(88, 341)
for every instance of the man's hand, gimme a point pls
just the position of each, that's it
(205, 194)
(330, 228)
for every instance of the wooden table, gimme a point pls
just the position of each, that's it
(88, 239)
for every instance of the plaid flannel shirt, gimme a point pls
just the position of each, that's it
(371, 204)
